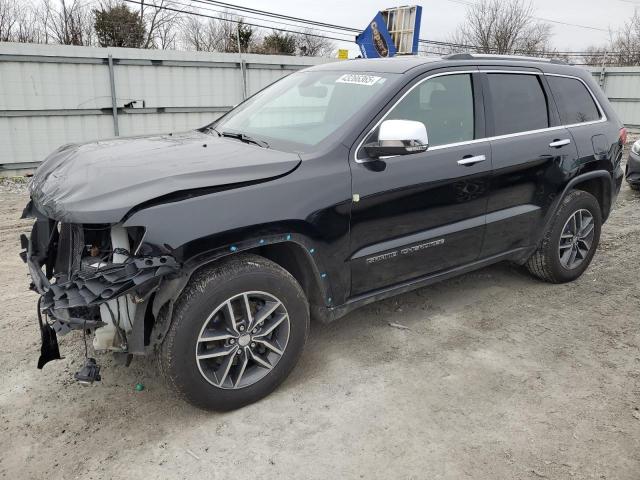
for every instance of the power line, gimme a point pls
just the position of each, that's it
(282, 16)
(248, 16)
(356, 30)
(164, 7)
(311, 22)
(589, 27)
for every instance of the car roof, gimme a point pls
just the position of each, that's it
(379, 65)
(403, 64)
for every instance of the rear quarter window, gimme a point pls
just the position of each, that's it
(575, 103)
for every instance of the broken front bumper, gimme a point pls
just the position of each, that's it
(81, 283)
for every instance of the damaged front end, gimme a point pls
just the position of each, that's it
(90, 278)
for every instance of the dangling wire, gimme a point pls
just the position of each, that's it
(113, 320)
(84, 337)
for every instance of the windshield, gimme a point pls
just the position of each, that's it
(304, 108)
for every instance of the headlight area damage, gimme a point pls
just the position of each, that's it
(90, 280)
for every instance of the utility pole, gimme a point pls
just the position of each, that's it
(603, 72)
(242, 70)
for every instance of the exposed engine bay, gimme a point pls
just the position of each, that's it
(91, 279)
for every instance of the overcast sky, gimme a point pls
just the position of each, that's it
(440, 17)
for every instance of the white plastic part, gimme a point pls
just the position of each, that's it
(393, 131)
(104, 336)
(123, 308)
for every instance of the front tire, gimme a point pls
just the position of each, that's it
(570, 243)
(238, 329)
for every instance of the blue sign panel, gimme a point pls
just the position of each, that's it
(375, 41)
(416, 29)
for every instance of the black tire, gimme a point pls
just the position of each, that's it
(545, 262)
(634, 186)
(209, 288)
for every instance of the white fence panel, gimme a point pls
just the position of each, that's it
(55, 94)
(622, 87)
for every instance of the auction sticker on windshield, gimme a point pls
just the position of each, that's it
(358, 79)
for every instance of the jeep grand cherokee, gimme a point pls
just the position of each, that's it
(336, 186)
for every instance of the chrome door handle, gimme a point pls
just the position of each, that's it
(560, 143)
(467, 162)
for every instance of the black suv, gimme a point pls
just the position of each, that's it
(336, 186)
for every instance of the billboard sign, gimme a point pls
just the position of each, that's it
(394, 31)
(403, 25)
(375, 41)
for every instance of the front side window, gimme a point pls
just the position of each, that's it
(444, 104)
(518, 102)
(304, 108)
(574, 101)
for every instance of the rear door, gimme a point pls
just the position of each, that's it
(530, 153)
(422, 213)
(584, 118)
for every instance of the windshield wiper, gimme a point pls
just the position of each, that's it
(245, 138)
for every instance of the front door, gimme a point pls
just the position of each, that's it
(422, 213)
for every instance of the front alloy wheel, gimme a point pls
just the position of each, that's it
(242, 340)
(238, 329)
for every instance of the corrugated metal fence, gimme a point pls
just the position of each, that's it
(622, 86)
(54, 94)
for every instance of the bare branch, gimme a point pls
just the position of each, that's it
(312, 45)
(502, 27)
(69, 23)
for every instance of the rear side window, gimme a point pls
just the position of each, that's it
(519, 103)
(444, 104)
(574, 101)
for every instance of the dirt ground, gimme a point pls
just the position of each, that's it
(499, 376)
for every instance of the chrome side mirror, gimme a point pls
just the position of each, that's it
(399, 137)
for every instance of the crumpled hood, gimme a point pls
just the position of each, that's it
(99, 182)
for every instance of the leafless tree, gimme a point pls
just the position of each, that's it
(202, 36)
(9, 13)
(311, 45)
(28, 29)
(162, 19)
(228, 28)
(598, 56)
(502, 27)
(626, 44)
(168, 32)
(69, 22)
(622, 50)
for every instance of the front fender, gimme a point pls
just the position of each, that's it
(310, 207)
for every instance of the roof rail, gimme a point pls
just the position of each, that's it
(489, 56)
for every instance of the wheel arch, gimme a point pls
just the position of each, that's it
(597, 183)
(600, 187)
(290, 253)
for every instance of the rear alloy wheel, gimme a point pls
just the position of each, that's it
(576, 239)
(570, 242)
(238, 329)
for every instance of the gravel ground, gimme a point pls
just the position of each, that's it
(498, 376)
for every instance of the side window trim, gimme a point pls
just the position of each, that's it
(479, 112)
(552, 105)
(603, 115)
(487, 117)
(471, 71)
